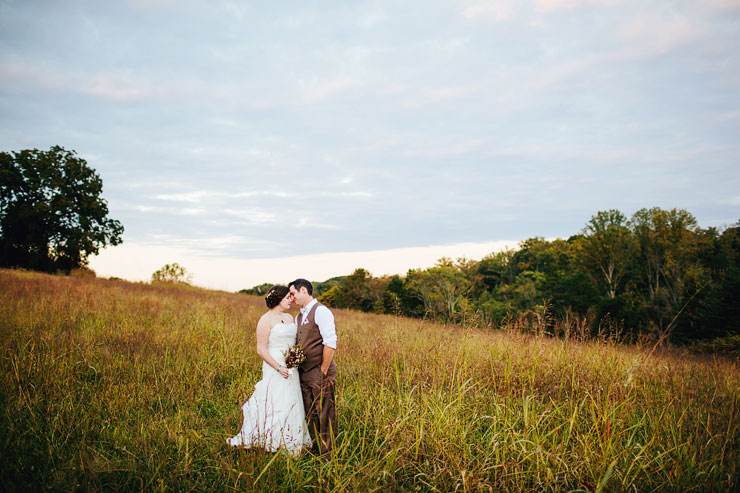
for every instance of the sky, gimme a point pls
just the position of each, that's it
(263, 141)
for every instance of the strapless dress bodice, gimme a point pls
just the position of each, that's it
(282, 336)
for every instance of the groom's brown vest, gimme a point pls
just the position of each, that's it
(310, 339)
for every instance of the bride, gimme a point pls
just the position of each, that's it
(274, 415)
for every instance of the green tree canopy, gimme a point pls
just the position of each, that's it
(607, 249)
(669, 244)
(174, 273)
(52, 216)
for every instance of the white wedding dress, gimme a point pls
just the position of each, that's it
(273, 416)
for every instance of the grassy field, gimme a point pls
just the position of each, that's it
(110, 385)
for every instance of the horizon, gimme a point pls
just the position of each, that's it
(221, 273)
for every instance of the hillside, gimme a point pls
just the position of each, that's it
(114, 385)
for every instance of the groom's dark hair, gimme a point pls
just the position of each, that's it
(302, 283)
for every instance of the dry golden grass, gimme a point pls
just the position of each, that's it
(114, 385)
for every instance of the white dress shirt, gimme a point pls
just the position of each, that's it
(324, 318)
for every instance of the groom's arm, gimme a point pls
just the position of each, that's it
(326, 359)
(325, 320)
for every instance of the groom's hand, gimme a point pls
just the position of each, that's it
(326, 359)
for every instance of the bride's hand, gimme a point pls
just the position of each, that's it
(283, 370)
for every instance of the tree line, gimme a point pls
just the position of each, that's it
(656, 274)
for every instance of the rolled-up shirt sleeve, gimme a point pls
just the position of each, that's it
(325, 320)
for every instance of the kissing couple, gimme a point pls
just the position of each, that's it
(293, 408)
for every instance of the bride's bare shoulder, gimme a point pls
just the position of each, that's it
(266, 320)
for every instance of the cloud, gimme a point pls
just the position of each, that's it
(136, 185)
(259, 193)
(151, 5)
(371, 147)
(215, 196)
(497, 10)
(319, 91)
(193, 211)
(566, 153)
(507, 10)
(31, 75)
(177, 211)
(569, 4)
(371, 19)
(148, 85)
(311, 223)
(213, 245)
(525, 87)
(651, 34)
(104, 86)
(196, 196)
(359, 194)
(119, 89)
(724, 4)
(435, 150)
(252, 215)
(413, 96)
(728, 115)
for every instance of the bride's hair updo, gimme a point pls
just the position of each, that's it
(275, 296)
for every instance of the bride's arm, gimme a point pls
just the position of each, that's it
(263, 336)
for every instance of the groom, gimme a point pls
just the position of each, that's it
(317, 335)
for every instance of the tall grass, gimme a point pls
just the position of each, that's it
(120, 386)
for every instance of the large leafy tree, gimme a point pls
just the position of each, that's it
(52, 216)
(669, 245)
(497, 269)
(725, 309)
(357, 291)
(442, 288)
(607, 249)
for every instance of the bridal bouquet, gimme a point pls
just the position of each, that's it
(294, 356)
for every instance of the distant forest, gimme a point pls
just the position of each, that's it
(654, 276)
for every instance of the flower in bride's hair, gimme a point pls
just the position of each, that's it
(294, 356)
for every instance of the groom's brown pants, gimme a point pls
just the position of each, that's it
(318, 401)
